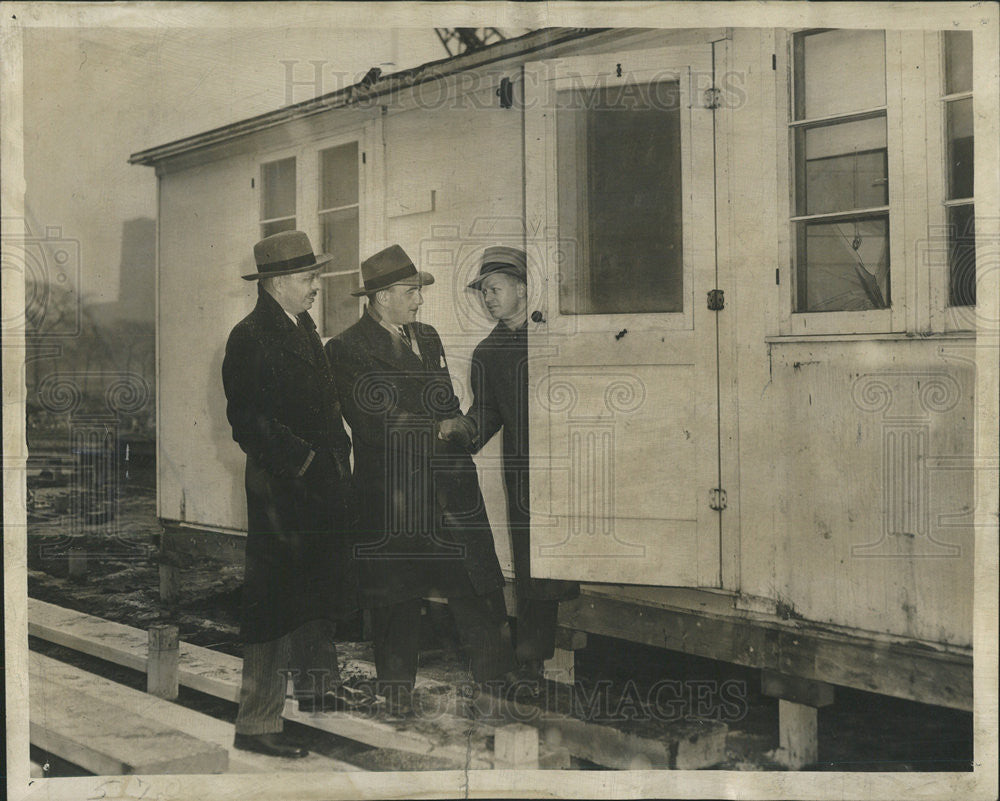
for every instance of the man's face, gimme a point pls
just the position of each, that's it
(402, 303)
(503, 296)
(296, 292)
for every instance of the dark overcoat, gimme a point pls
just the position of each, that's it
(423, 518)
(284, 409)
(499, 379)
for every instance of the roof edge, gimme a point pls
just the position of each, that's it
(364, 91)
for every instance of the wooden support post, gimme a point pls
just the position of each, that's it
(77, 567)
(515, 746)
(571, 639)
(170, 583)
(162, 666)
(798, 700)
(560, 668)
(797, 733)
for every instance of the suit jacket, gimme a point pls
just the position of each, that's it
(423, 518)
(284, 410)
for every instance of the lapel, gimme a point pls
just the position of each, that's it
(284, 331)
(387, 348)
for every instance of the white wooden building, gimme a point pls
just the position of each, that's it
(753, 362)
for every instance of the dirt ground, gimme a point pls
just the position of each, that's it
(108, 568)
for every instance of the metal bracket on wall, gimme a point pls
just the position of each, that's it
(717, 499)
(713, 98)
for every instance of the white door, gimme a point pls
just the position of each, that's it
(620, 202)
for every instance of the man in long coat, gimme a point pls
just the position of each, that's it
(285, 414)
(499, 380)
(424, 525)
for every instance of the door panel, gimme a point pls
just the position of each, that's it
(623, 369)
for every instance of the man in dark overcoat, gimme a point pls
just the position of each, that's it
(424, 525)
(499, 378)
(284, 410)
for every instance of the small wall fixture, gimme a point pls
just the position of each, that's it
(506, 93)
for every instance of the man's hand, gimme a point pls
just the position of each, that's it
(459, 430)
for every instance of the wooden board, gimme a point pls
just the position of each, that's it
(106, 738)
(206, 728)
(441, 734)
(861, 660)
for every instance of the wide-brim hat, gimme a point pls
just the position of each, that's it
(285, 253)
(502, 259)
(387, 267)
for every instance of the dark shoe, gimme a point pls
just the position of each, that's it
(399, 702)
(340, 699)
(513, 685)
(269, 744)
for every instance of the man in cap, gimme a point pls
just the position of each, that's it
(500, 386)
(285, 415)
(424, 525)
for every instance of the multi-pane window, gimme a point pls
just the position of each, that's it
(620, 199)
(277, 196)
(959, 153)
(840, 171)
(339, 232)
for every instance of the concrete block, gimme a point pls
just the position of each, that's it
(560, 668)
(516, 746)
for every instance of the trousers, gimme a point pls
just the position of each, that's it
(536, 629)
(308, 654)
(482, 626)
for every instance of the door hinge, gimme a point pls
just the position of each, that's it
(716, 300)
(717, 499)
(713, 98)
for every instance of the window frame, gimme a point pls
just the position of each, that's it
(944, 318)
(371, 227)
(873, 321)
(316, 191)
(542, 81)
(270, 158)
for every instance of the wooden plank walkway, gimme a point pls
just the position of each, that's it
(206, 729)
(440, 734)
(98, 732)
(443, 729)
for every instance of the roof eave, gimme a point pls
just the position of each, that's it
(361, 91)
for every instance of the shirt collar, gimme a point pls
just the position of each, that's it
(394, 329)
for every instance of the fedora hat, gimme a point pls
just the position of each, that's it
(388, 267)
(283, 254)
(502, 259)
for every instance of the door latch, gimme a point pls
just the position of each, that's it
(716, 300)
(717, 499)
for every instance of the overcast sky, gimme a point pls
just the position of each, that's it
(93, 96)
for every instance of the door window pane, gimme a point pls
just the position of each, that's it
(839, 71)
(845, 167)
(340, 308)
(339, 232)
(962, 255)
(339, 181)
(958, 61)
(844, 266)
(266, 229)
(277, 180)
(960, 148)
(620, 199)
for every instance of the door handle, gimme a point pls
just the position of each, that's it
(537, 317)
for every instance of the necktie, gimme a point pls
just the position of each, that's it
(405, 334)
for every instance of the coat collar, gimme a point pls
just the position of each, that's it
(276, 322)
(388, 348)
